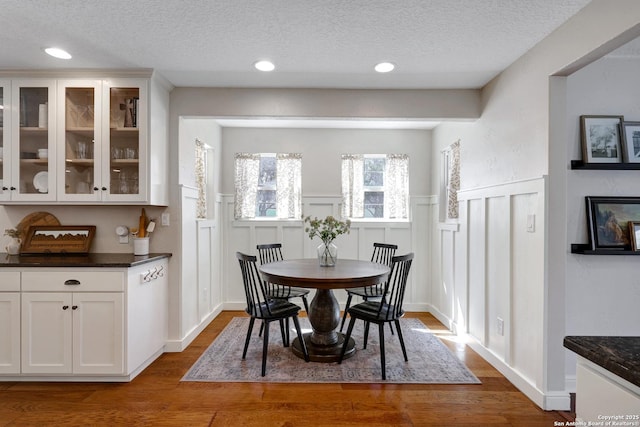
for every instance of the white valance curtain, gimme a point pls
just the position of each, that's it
(288, 185)
(246, 183)
(453, 181)
(396, 195)
(396, 186)
(201, 179)
(352, 186)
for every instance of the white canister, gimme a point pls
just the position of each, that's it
(43, 118)
(141, 246)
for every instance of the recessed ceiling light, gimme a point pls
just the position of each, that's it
(58, 53)
(264, 66)
(384, 67)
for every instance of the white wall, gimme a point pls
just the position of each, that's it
(106, 218)
(198, 277)
(602, 292)
(522, 137)
(321, 150)
(321, 172)
(191, 104)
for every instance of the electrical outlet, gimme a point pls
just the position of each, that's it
(500, 326)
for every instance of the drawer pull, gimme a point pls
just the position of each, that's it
(72, 282)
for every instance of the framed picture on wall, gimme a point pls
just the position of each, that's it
(609, 220)
(634, 234)
(630, 133)
(600, 136)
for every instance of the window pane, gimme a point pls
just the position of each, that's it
(266, 196)
(374, 172)
(266, 203)
(374, 204)
(267, 172)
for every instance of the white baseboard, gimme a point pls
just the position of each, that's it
(549, 401)
(441, 317)
(176, 346)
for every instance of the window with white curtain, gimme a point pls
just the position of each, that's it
(375, 186)
(268, 185)
(450, 182)
(201, 178)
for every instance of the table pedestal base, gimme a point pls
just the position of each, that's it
(323, 353)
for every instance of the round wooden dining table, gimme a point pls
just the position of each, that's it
(324, 343)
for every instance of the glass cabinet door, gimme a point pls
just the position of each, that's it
(127, 140)
(81, 134)
(5, 174)
(33, 134)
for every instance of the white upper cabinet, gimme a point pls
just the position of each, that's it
(83, 141)
(126, 140)
(80, 140)
(32, 145)
(5, 138)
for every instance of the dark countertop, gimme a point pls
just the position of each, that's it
(618, 355)
(84, 260)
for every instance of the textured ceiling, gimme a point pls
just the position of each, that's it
(314, 44)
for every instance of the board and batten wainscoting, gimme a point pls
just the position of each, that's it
(210, 277)
(491, 282)
(200, 275)
(487, 266)
(243, 236)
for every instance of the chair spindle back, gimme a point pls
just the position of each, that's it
(254, 287)
(383, 252)
(270, 252)
(395, 286)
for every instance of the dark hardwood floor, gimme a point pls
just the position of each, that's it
(158, 398)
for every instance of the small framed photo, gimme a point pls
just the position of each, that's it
(600, 137)
(630, 132)
(608, 220)
(634, 234)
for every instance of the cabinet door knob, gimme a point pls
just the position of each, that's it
(65, 307)
(4, 188)
(104, 188)
(95, 188)
(74, 307)
(72, 282)
(13, 188)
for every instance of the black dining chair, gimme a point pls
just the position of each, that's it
(260, 306)
(387, 310)
(382, 254)
(272, 252)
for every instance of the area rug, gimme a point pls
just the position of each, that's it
(430, 361)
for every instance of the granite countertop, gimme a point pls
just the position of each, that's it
(83, 260)
(618, 355)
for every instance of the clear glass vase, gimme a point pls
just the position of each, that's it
(327, 254)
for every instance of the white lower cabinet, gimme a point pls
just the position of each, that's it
(82, 324)
(79, 333)
(9, 323)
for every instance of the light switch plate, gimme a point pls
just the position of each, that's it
(531, 223)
